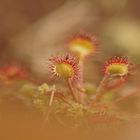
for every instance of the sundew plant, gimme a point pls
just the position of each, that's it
(75, 103)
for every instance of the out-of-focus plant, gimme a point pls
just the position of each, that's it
(82, 44)
(13, 72)
(9, 73)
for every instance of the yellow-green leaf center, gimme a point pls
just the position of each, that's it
(82, 47)
(64, 70)
(118, 69)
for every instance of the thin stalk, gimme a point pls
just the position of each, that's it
(51, 98)
(116, 84)
(81, 95)
(71, 89)
(100, 89)
(49, 108)
(81, 64)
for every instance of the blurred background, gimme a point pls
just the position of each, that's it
(32, 30)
